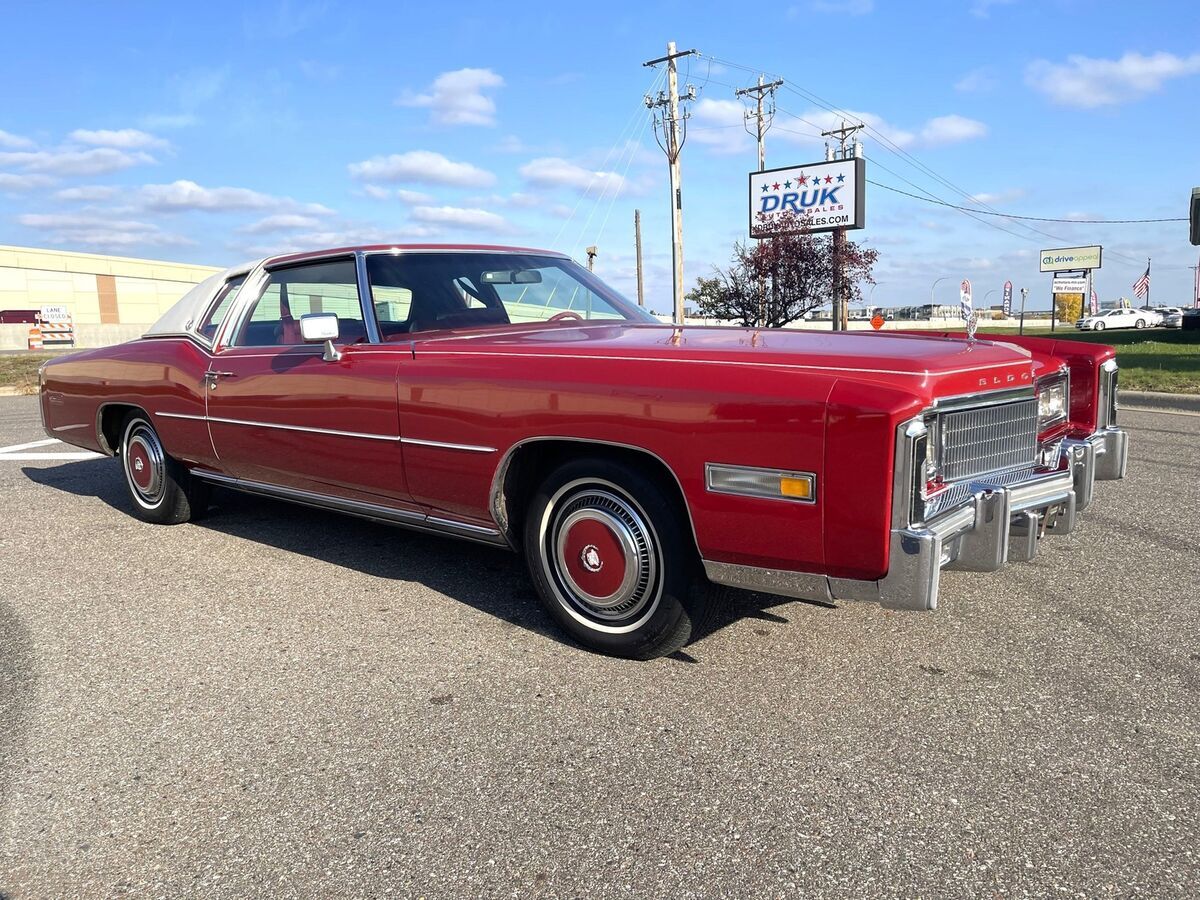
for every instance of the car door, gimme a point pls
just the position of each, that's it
(282, 414)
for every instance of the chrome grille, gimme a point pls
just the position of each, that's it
(988, 439)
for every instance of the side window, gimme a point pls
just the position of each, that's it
(220, 309)
(274, 320)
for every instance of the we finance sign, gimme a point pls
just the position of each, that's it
(823, 195)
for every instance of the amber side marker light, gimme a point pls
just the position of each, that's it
(771, 484)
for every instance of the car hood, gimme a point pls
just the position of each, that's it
(952, 364)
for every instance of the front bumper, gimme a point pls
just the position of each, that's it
(1003, 521)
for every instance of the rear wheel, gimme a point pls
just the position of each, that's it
(162, 490)
(612, 560)
(1140, 323)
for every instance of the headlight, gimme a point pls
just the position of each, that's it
(1053, 399)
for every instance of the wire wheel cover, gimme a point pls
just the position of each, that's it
(601, 555)
(144, 463)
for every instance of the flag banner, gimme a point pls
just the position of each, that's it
(1141, 287)
(1007, 299)
(1095, 303)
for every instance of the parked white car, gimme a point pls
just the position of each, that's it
(1167, 312)
(1117, 318)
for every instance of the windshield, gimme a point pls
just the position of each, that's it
(429, 291)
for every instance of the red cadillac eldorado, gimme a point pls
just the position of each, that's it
(508, 396)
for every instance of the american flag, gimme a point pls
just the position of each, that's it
(1141, 287)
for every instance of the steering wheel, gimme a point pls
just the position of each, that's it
(565, 315)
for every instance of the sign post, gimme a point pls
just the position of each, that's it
(1074, 261)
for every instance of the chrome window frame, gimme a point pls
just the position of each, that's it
(256, 284)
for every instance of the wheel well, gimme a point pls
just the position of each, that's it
(531, 462)
(109, 425)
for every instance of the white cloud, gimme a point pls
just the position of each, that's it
(10, 141)
(87, 193)
(952, 129)
(1004, 196)
(552, 171)
(975, 81)
(460, 217)
(421, 167)
(20, 184)
(169, 120)
(187, 195)
(412, 197)
(720, 125)
(935, 132)
(401, 194)
(97, 230)
(280, 222)
(122, 139)
(96, 161)
(1086, 83)
(459, 98)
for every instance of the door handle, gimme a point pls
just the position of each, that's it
(210, 378)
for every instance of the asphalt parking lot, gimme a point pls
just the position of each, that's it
(281, 701)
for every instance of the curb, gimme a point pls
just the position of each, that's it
(1156, 400)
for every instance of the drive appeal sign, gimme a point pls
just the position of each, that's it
(1069, 259)
(824, 195)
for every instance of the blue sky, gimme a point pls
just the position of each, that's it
(214, 134)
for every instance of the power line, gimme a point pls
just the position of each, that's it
(988, 212)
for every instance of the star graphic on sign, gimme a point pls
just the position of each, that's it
(841, 178)
(803, 179)
(787, 184)
(829, 179)
(775, 186)
(764, 188)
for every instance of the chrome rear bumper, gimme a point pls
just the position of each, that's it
(1000, 523)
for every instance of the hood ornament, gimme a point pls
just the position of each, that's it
(972, 325)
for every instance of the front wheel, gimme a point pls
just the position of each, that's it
(162, 490)
(611, 556)
(1099, 326)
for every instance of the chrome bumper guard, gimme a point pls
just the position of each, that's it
(1000, 523)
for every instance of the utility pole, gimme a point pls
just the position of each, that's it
(674, 134)
(637, 240)
(761, 122)
(591, 255)
(840, 321)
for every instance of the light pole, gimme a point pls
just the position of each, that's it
(1024, 294)
(931, 287)
(988, 294)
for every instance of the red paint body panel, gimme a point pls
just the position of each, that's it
(1082, 358)
(297, 387)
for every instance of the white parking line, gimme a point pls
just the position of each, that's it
(30, 445)
(35, 457)
(14, 454)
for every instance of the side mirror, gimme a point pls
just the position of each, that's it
(322, 326)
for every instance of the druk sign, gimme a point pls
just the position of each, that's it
(823, 195)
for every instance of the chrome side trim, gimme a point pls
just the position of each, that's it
(375, 512)
(330, 431)
(443, 445)
(801, 585)
(499, 509)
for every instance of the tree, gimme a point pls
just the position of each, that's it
(1068, 307)
(776, 280)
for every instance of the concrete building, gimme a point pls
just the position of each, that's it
(110, 298)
